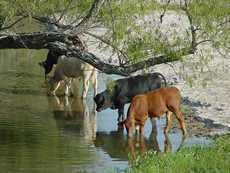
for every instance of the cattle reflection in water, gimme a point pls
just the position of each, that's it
(73, 116)
(117, 145)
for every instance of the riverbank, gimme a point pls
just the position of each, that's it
(205, 88)
(195, 159)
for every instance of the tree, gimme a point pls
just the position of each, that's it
(136, 42)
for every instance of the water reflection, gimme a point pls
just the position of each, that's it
(35, 139)
(72, 115)
(118, 145)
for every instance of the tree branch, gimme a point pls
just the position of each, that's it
(164, 11)
(96, 5)
(108, 68)
(202, 41)
(192, 28)
(37, 40)
(81, 26)
(108, 43)
(14, 23)
(50, 21)
(60, 43)
(63, 12)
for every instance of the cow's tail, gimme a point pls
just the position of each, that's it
(162, 76)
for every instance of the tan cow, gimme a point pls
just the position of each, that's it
(69, 69)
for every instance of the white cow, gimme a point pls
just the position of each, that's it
(68, 69)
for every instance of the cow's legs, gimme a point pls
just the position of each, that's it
(94, 81)
(68, 87)
(66, 83)
(121, 116)
(142, 126)
(167, 144)
(129, 125)
(142, 130)
(85, 84)
(71, 87)
(169, 121)
(55, 88)
(180, 118)
(132, 148)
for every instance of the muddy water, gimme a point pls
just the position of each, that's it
(61, 134)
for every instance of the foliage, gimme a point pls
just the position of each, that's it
(12, 8)
(135, 29)
(210, 16)
(215, 158)
(148, 39)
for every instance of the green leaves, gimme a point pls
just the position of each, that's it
(209, 13)
(12, 8)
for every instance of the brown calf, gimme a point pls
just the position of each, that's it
(154, 104)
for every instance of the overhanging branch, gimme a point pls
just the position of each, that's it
(81, 26)
(92, 59)
(59, 42)
(36, 40)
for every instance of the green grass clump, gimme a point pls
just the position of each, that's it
(188, 160)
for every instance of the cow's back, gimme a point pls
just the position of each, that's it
(130, 87)
(72, 67)
(161, 99)
(172, 96)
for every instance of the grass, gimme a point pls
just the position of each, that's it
(213, 159)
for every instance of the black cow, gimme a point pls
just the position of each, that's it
(125, 89)
(51, 59)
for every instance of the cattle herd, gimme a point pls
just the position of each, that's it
(148, 94)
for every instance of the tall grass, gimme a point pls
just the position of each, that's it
(213, 159)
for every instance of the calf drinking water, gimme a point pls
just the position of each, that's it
(155, 104)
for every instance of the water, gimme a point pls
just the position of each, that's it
(61, 134)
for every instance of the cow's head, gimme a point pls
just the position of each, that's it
(47, 67)
(103, 101)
